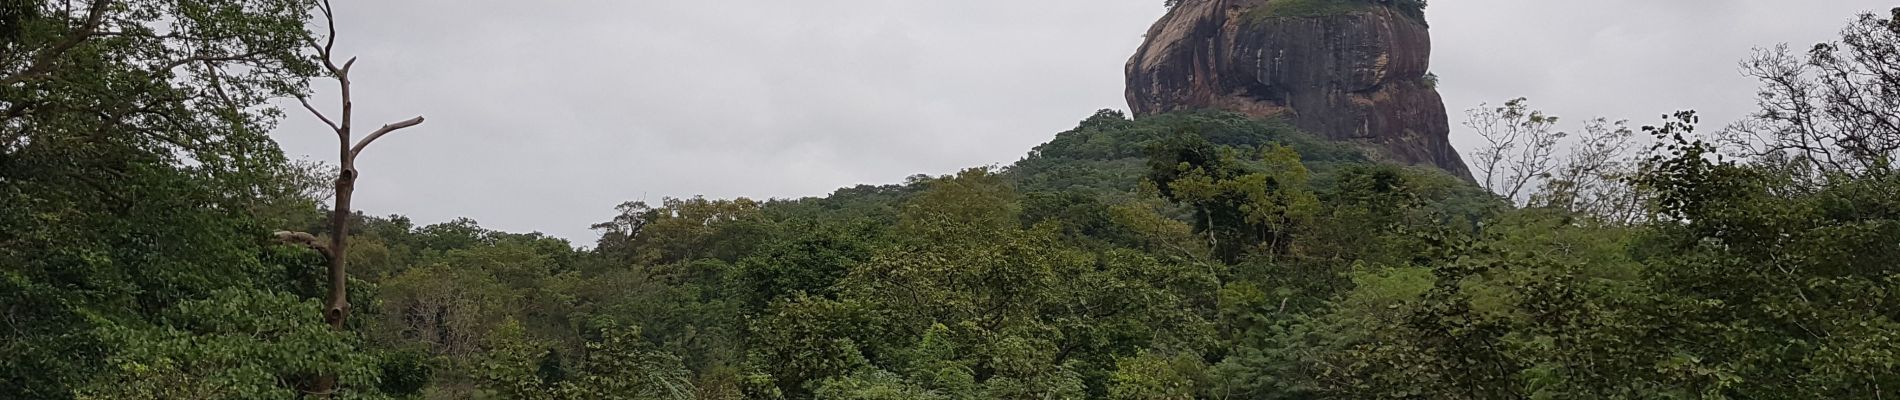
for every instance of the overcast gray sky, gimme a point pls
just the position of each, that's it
(545, 114)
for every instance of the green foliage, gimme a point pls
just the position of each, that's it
(622, 365)
(809, 263)
(450, 309)
(1311, 8)
(1748, 263)
(1242, 205)
(1714, 300)
(1107, 154)
(1241, 268)
(1148, 376)
(237, 344)
(874, 385)
(618, 363)
(680, 229)
(130, 183)
(406, 373)
(803, 341)
(970, 302)
(1177, 256)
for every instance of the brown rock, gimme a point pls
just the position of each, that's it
(1358, 76)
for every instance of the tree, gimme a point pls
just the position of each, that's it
(449, 308)
(1594, 179)
(1520, 161)
(1834, 110)
(622, 365)
(616, 364)
(964, 301)
(1518, 149)
(1749, 255)
(1242, 205)
(336, 305)
(1150, 376)
(680, 229)
(875, 385)
(133, 155)
(336, 252)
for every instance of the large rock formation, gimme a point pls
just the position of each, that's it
(1357, 73)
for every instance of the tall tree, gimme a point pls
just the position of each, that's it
(336, 304)
(1519, 146)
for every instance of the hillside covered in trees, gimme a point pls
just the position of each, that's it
(156, 244)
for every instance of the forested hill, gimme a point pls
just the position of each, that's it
(154, 244)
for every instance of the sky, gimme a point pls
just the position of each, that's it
(543, 115)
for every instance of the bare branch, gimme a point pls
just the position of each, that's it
(1833, 108)
(313, 111)
(386, 129)
(321, 54)
(329, 39)
(304, 240)
(1521, 142)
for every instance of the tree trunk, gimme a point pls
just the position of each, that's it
(336, 307)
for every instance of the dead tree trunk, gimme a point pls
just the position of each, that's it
(336, 306)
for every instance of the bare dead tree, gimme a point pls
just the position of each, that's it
(336, 306)
(1833, 110)
(1520, 161)
(1519, 147)
(1594, 178)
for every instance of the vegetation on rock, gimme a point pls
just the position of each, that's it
(1320, 8)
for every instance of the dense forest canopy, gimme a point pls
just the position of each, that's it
(1180, 256)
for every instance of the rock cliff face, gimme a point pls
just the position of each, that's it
(1357, 76)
